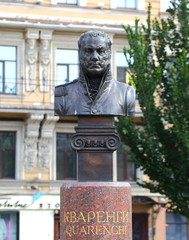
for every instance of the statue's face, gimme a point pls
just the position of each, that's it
(94, 56)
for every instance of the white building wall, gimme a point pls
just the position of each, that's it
(38, 225)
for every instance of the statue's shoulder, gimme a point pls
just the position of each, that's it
(62, 90)
(124, 86)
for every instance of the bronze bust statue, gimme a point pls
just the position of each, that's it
(94, 92)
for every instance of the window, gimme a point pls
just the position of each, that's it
(121, 67)
(140, 226)
(165, 4)
(72, 2)
(8, 226)
(126, 4)
(8, 55)
(7, 155)
(65, 157)
(66, 65)
(126, 170)
(176, 227)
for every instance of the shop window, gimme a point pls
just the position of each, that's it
(126, 170)
(8, 226)
(126, 4)
(177, 228)
(65, 158)
(71, 2)
(7, 155)
(140, 226)
(66, 65)
(8, 66)
(57, 227)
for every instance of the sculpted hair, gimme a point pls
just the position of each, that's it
(95, 34)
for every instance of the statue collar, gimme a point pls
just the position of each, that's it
(105, 78)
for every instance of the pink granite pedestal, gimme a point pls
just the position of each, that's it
(96, 210)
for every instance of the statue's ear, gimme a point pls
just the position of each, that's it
(110, 53)
(80, 54)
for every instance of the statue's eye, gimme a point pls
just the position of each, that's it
(101, 50)
(88, 50)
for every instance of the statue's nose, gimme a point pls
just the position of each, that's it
(95, 55)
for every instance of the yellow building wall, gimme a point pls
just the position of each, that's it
(161, 225)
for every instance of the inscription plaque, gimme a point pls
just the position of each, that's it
(96, 211)
(103, 222)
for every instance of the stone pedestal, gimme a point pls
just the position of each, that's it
(95, 207)
(94, 142)
(96, 210)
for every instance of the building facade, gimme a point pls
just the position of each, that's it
(38, 50)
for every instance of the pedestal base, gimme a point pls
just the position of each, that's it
(96, 210)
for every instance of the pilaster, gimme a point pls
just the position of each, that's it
(31, 140)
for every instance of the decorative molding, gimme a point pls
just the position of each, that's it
(46, 141)
(32, 33)
(95, 142)
(11, 35)
(44, 150)
(46, 34)
(38, 140)
(65, 23)
(31, 60)
(44, 65)
(31, 140)
(30, 152)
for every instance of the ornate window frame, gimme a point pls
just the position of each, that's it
(15, 39)
(140, 5)
(18, 127)
(60, 128)
(80, 3)
(65, 42)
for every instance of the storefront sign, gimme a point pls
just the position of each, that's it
(27, 202)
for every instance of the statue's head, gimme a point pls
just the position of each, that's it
(94, 52)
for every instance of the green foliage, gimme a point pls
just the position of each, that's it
(159, 67)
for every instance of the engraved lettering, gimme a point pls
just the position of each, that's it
(91, 216)
(77, 220)
(107, 231)
(125, 216)
(73, 218)
(122, 229)
(83, 230)
(112, 230)
(81, 217)
(95, 230)
(91, 230)
(66, 217)
(69, 231)
(100, 216)
(110, 216)
(75, 230)
(99, 230)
